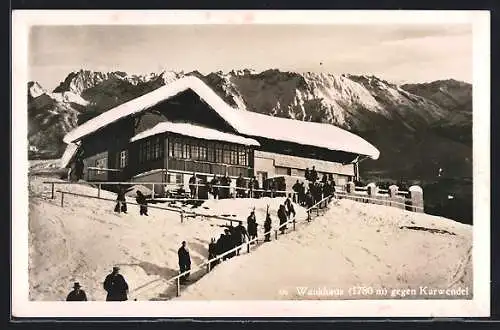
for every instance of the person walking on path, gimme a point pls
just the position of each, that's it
(184, 261)
(192, 186)
(77, 294)
(267, 226)
(116, 286)
(143, 204)
(282, 217)
(252, 225)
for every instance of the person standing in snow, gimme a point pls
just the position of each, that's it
(143, 204)
(267, 226)
(121, 204)
(116, 286)
(307, 174)
(290, 210)
(77, 294)
(212, 253)
(252, 225)
(184, 261)
(240, 234)
(282, 217)
(213, 184)
(296, 190)
(314, 174)
(192, 185)
(240, 185)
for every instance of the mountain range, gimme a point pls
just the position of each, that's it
(418, 128)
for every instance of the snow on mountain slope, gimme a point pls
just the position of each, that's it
(84, 239)
(353, 245)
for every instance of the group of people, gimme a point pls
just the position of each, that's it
(117, 287)
(233, 237)
(315, 191)
(121, 203)
(114, 284)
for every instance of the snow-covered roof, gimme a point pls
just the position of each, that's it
(244, 122)
(195, 131)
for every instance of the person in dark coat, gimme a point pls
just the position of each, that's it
(184, 261)
(314, 175)
(282, 217)
(255, 185)
(302, 193)
(252, 225)
(324, 178)
(228, 184)
(224, 243)
(215, 190)
(296, 190)
(290, 210)
(121, 204)
(116, 286)
(309, 201)
(240, 234)
(240, 183)
(212, 253)
(192, 186)
(77, 294)
(267, 228)
(143, 204)
(307, 174)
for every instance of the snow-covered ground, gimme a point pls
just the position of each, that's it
(353, 245)
(84, 239)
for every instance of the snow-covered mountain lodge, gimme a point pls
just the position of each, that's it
(185, 127)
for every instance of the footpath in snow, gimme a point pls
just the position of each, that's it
(381, 252)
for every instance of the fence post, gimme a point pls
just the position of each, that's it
(153, 192)
(276, 234)
(293, 224)
(182, 217)
(248, 247)
(372, 192)
(178, 286)
(99, 190)
(52, 190)
(416, 199)
(208, 267)
(317, 210)
(393, 195)
(62, 199)
(308, 215)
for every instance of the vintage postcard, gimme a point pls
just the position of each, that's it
(251, 163)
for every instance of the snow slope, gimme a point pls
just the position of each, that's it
(84, 239)
(354, 244)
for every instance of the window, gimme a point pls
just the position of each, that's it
(186, 150)
(219, 153)
(202, 152)
(123, 158)
(227, 155)
(156, 151)
(242, 156)
(194, 152)
(175, 178)
(211, 152)
(101, 163)
(177, 149)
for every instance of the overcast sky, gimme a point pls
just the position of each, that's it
(396, 53)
